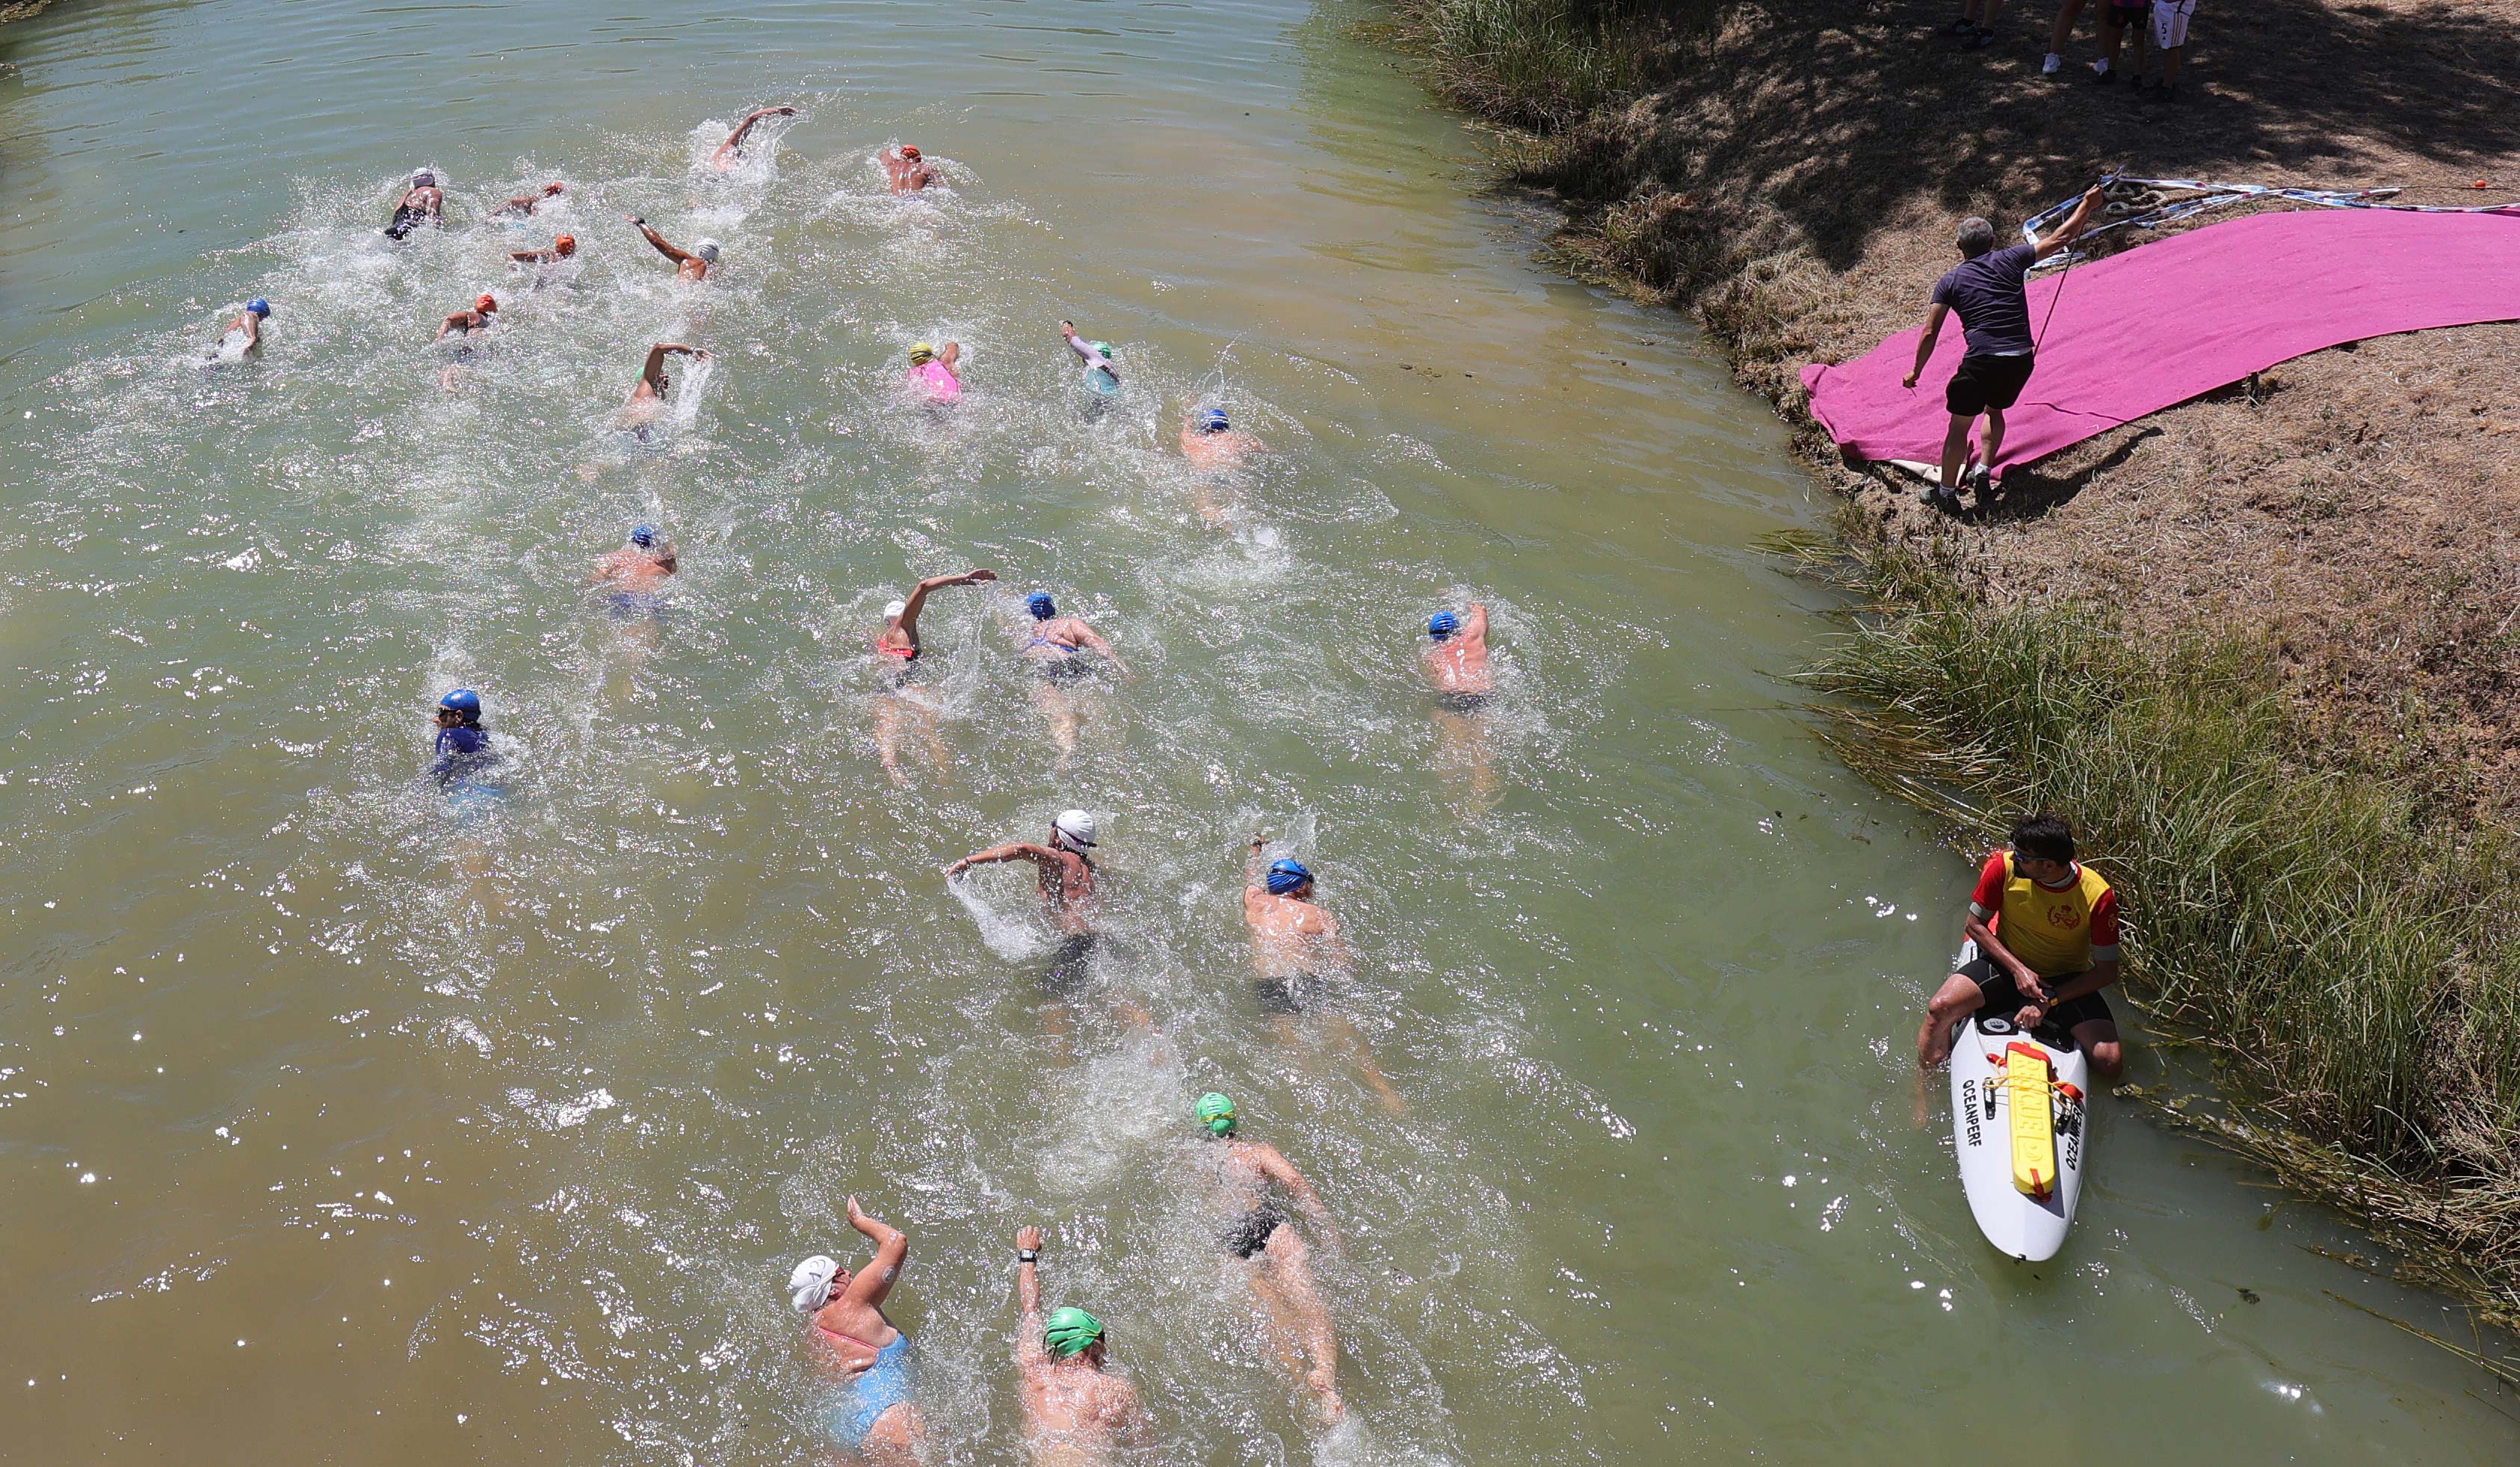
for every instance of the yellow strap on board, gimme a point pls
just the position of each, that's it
(2034, 1125)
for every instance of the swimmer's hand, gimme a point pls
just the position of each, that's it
(856, 1216)
(975, 577)
(1259, 839)
(958, 868)
(1028, 1238)
(635, 219)
(2028, 1018)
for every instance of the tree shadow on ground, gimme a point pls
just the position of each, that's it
(1865, 108)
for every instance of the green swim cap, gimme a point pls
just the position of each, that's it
(1070, 1332)
(1216, 1113)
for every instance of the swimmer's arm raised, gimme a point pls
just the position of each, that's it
(454, 320)
(891, 1250)
(1474, 631)
(1030, 1354)
(918, 597)
(735, 139)
(653, 373)
(678, 256)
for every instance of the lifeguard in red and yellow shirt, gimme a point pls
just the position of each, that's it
(2046, 933)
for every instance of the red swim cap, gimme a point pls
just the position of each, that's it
(550, 188)
(910, 152)
(486, 304)
(566, 244)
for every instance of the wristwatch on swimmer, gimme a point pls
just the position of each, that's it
(1027, 1255)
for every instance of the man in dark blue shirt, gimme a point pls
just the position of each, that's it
(1988, 287)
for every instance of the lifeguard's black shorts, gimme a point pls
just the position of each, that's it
(1983, 382)
(2004, 998)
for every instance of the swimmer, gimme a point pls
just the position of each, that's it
(1458, 662)
(1074, 1411)
(1066, 874)
(248, 327)
(1209, 440)
(1097, 356)
(524, 203)
(896, 648)
(932, 371)
(471, 319)
(876, 1420)
(1055, 650)
(1295, 950)
(694, 264)
(648, 394)
(462, 745)
(423, 202)
(1276, 1260)
(561, 248)
(729, 154)
(643, 565)
(905, 170)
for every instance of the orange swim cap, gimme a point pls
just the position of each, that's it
(486, 304)
(910, 152)
(550, 188)
(566, 244)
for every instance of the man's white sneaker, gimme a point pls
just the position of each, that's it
(2052, 64)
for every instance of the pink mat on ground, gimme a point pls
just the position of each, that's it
(2159, 324)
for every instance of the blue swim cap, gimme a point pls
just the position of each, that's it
(1042, 607)
(1287, 877)
(643, 534)
(462, 700)
(1443, 624)
(1212, 420)
(259, 306)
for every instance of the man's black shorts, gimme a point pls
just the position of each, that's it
(2004, 998)
(1983, 382)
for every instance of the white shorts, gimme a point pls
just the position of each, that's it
(2170, 23)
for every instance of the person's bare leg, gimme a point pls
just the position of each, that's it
(1343, 1034)
(887, 735)
(896, 1438)
(1956, 999)
(2098, 1040)
(1993, 9)
(1991, 440)
(1061, 713)
(1285, 1271)
(2169, 65)
(2063, 31)
(1466, 762)
(1955, 446)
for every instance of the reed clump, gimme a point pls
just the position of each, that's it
(1548, 65)
(2342, 950)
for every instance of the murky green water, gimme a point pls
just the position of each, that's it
(338, 1129)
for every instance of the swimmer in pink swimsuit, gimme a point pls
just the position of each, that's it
(932, 371)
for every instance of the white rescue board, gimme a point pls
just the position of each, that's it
(2025, 1215)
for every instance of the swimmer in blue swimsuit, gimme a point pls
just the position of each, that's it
(462, 745)
(875, 1417)
(1055, 650)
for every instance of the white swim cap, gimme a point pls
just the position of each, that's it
(1077, 825)
(892, 609)
(423, 179)
(809, 1288)
(706, 249)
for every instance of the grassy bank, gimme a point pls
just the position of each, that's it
(2302, 797)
